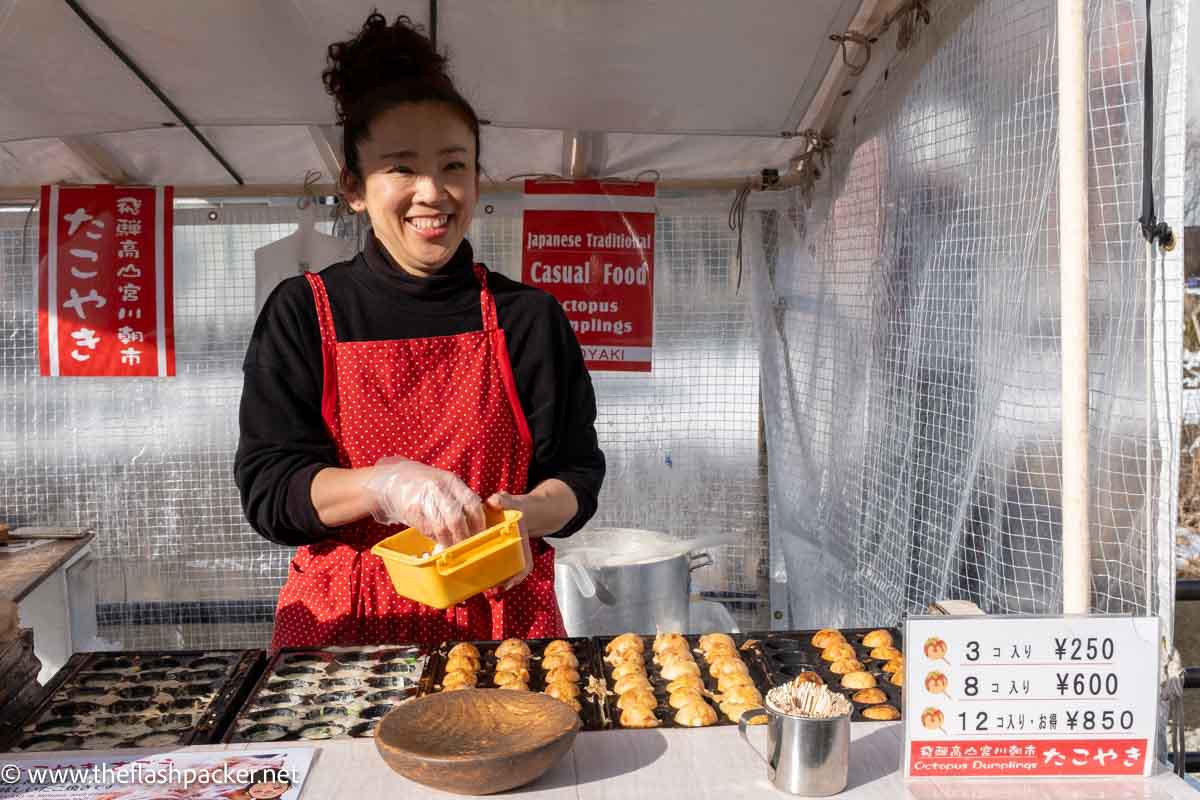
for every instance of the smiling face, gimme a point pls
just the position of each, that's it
(419, 184)
(267, 791)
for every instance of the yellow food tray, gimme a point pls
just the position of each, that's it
(487, 559)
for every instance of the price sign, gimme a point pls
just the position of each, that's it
(1021, 696)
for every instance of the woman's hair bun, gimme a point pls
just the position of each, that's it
(379, 55)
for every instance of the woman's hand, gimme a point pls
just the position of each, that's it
(516, 502)
(433, 501)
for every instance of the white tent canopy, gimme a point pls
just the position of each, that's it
(699, 89)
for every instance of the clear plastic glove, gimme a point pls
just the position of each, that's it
(501, 501)
(432, 500)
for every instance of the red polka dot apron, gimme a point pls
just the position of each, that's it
(446, 401)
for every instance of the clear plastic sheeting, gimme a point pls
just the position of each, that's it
(909, 312)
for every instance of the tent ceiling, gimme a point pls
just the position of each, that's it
(693, 88)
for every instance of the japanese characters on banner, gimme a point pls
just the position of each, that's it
(104, 282)
(591, 245)
(1020, 696)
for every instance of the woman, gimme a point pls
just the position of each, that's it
(410, 386)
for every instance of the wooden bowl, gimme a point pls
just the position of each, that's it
(476, 741)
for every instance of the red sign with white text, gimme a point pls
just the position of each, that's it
(1005, 758)
(104, 282)
(591, 245)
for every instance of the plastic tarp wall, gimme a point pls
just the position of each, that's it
(909, 312)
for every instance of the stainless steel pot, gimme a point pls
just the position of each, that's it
(644, 597)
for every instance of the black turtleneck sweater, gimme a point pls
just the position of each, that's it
(284, 442)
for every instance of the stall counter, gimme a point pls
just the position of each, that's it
(712, 764)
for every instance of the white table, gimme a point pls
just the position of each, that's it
(698, 765)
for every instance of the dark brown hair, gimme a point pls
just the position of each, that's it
(382, 67)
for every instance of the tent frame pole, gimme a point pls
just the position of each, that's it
(1073, 276)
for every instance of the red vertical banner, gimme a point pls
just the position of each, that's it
(104, 282)
(591, 245)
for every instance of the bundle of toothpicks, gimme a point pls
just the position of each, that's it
(810, 700)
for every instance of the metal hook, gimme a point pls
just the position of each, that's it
(858, 39)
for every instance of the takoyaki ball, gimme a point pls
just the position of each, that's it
(562, 690)
(895, 665)
(624, 643)
(897, 678)
(462, 663)
(632, 682)
(684, 697)
(560, 660)
(827, 636)
(686, 682)
(637, 697)
(512, 664)
(858, 680)
(464, 649)
(727, 666)
(677, 668)
(664, 641)
(626, 657)
(639, 717)
(512, 647)
(558, 646)
(511, 676)
(808, 676)
(458, 678)
(886, 653)
(562, 674)
(734, 711)
(709, 640)
(696, 715)
(621, 670)
(879, 638)
(846, 666)
(520, 671)
(838, 652)
(869, 696)
(727, 682)
(673, 651)
(743, 695)
(721, 650)
(881, 713)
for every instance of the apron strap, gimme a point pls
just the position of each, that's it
(328, 352)
(487, 304)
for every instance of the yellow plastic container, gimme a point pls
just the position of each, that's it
(487, 559)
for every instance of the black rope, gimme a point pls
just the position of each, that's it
(1152, 229)
(433, 23)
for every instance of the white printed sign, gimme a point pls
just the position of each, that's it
(1025, 696)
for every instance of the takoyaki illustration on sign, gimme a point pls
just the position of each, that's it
(936, 649)
(937, 683)
(933, 719)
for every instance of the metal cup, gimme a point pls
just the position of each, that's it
(809, 757)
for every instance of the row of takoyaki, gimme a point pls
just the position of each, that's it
(854, 675)
(560, 669)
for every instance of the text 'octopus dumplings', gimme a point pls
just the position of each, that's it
(512, 647)
(563, 690)
(637, 697)
(630, 682)
(869, 696)
(639, 717)
(827, 636)
(885, 653)
(557, 647)
(557, 660)
(881, 713)
(846, 666)
(678, 668)
(685, 682)
(858, 680)
(464, 649)
(878, 638)
(696, 715)
(838, 652)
